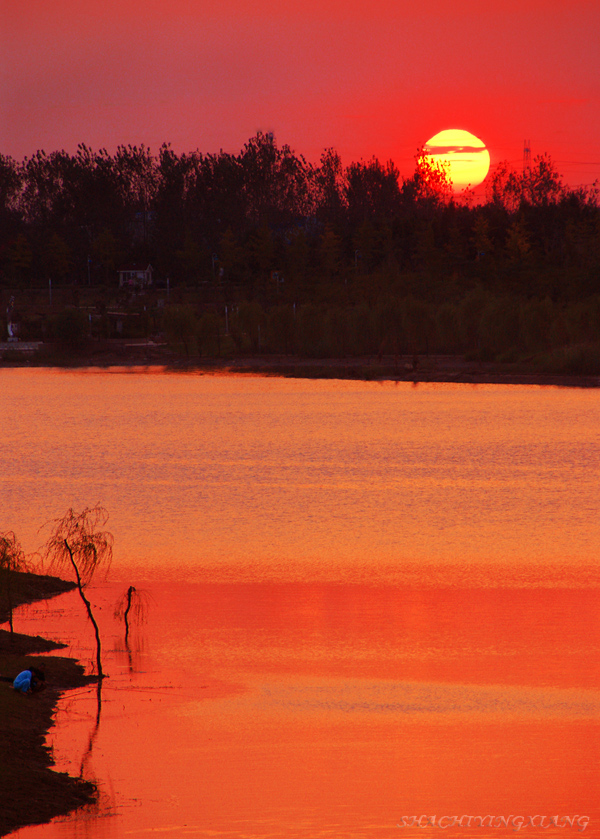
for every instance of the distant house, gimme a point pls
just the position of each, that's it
(135, 276)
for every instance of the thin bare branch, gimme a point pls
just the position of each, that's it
(135, 604)
(78, 544)
(79, 537)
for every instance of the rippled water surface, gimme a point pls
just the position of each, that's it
(367, 602)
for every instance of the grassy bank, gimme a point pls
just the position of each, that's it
(30, 792)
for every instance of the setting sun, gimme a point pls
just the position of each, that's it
(465, 156)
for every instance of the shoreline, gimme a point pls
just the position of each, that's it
(432, 369)
(402, 368)
(31, 792)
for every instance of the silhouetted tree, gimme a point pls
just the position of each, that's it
(133, 605)
(430, 183)
(340, 236)
(371, 190)
(12, 559)
(276, 182)
(77, 544)
(542, 185)
(505, 188)
(329, 188)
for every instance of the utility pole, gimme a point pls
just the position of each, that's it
(526, 156)
(526, 179)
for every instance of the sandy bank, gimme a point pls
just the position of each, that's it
(30, 792)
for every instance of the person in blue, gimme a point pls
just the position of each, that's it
(30, 681)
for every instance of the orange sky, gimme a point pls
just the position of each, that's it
(366, 78)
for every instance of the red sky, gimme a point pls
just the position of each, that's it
(370, 78)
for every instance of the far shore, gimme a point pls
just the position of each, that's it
(400, 368)
(30, 791)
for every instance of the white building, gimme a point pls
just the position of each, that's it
(135, 276)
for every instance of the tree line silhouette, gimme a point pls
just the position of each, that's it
(322, 259)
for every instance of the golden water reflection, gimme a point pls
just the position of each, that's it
(237, 476)
(264, 709)
(368, 601)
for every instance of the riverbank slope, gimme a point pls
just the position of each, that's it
(563, 370)
(30, 792)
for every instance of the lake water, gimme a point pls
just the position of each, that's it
(366, 602)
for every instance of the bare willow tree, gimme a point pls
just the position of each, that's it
(12, 559)
(134, 604)
(78, 544)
